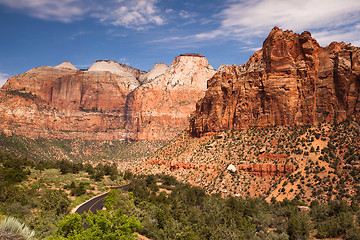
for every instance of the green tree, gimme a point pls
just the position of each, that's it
(298, 226)
(103, 225)
(78, 190)
(337, 226)
(55, 200)
(70, 226)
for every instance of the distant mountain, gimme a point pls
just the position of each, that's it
(160, 108)
(102, 103)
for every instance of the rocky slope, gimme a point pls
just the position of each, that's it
(286, 123)
(63, 102)
(290, 81)
(318, 162)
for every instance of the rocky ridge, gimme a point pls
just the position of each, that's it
(160, 109)
(97, 104)
(287, 122)
(291, 81)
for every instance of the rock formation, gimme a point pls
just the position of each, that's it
(64, 102)
(290, 81)
(157, 70)
(130, 76)
(231, 168)
(172, 165)
(267, 169)
(159, 109)
(66, 64)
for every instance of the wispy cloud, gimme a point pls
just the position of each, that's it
(83, 66)
(347, 34)
(78, 34)
(63, 11)
(244, 19)
(3, 78)
(249, 49)
(132, 14)
(184, 14)
(124, 61)
(238, 20)
(137, 14)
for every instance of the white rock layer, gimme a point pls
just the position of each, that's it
(66, 64)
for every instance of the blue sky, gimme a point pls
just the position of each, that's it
(140, 33)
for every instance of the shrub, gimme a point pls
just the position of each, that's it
(11, 228)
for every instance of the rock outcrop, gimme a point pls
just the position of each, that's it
(64, 102)
(66, 64)
(130, 76)
(267, 169)
(159, 109)
(172, 165)
(157, 70)
(290, 81)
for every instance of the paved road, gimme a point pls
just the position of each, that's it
(96, 203)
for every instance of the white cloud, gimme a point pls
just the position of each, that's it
(348, 35)
(136, 14)
(244, 19)
(3, 78)
(249, 49)
(83, 66)
(63, 11)
(124, 61)
(132, 14)
(184, 14)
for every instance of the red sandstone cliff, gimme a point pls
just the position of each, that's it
(160, 109)
(290, 81)
(63, 102)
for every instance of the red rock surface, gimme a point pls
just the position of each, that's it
(172, 165)
(290, 81)
(53, 103)
(267, 169)
(63, 102)
(160, 109)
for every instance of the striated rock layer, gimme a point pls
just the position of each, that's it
(63, 102)
(160, 109)
(105, 101)
(267, 169)
(290, 81)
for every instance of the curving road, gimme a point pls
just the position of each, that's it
(96, 203)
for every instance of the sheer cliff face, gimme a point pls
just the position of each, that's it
(290, 81)
(63, 102)
(101, 88)
(160, 109)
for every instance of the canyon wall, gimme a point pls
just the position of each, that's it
(161, 108)
(103, 102)
(291, 81)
